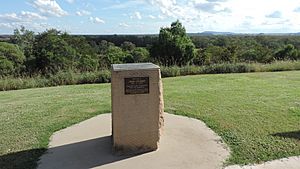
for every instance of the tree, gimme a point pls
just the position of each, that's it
(115, 55)
(86, 56)
(11, 59)
(137, 55)
(287, 52)
(140, 55)
(53, 53)
(174, 47)
(25, 39)
(6, 66)
(127, 46)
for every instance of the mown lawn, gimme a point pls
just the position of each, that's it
(257, 114)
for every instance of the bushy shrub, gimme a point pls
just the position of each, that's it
(228, 68)
(170, 71)
(191, 70)
(61, 78)
(281, 66)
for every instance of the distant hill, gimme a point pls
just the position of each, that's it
(214, 33)
(4, 38)
(208, 33)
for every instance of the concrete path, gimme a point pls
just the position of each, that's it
(185, 144)
(285, 163)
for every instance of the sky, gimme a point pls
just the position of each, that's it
(148, 16)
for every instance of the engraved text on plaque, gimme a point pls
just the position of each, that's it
(136, 85)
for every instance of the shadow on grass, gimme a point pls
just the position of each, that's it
(21, 160)
(80, 155)
(292, 134)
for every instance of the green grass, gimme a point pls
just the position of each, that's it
(256, 114)
(29, 117)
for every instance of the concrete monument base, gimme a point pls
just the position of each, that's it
(186, 143)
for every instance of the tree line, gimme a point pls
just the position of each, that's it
(46, 53)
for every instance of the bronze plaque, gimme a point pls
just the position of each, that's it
(137, 85)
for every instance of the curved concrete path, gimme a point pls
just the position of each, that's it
(185, 144)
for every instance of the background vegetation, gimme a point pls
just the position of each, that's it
(53, 56)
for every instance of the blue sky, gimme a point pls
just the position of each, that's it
(147, 16)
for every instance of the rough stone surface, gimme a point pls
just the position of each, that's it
(185, 144)
(136, 118)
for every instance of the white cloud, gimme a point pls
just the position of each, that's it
(297, 9)
(24, 16)
(10, 17)
(151, 16)
(96, 20)
(176, 10)
(124, 25)
(166, 6)
(70, 1)
(275, 14)
(32, 16)
(49, 7)
(211, 7)
(136, 15)
(6, 26)
(161, 17)
(125, 5)
(29, 25)
(231, 15)
(83, 13)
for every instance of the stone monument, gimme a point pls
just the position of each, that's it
(137, 107)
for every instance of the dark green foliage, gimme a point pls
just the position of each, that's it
(138, 40)
(24, 39)
(53, 52)
(6, 66)
(242, 48)
(213, 55)
(115, 55)
(127, 46)
(140, 55)
(86, 56)
(174, 47)
(11, 59)
(288, 52)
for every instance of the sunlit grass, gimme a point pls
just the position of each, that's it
(256, 114)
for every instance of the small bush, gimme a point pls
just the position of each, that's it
(170, 71)
(191, 70)
(62, 78)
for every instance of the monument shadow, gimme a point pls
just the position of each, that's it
(81, 155)
(291, 134)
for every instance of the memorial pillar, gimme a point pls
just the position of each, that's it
(137, 107)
